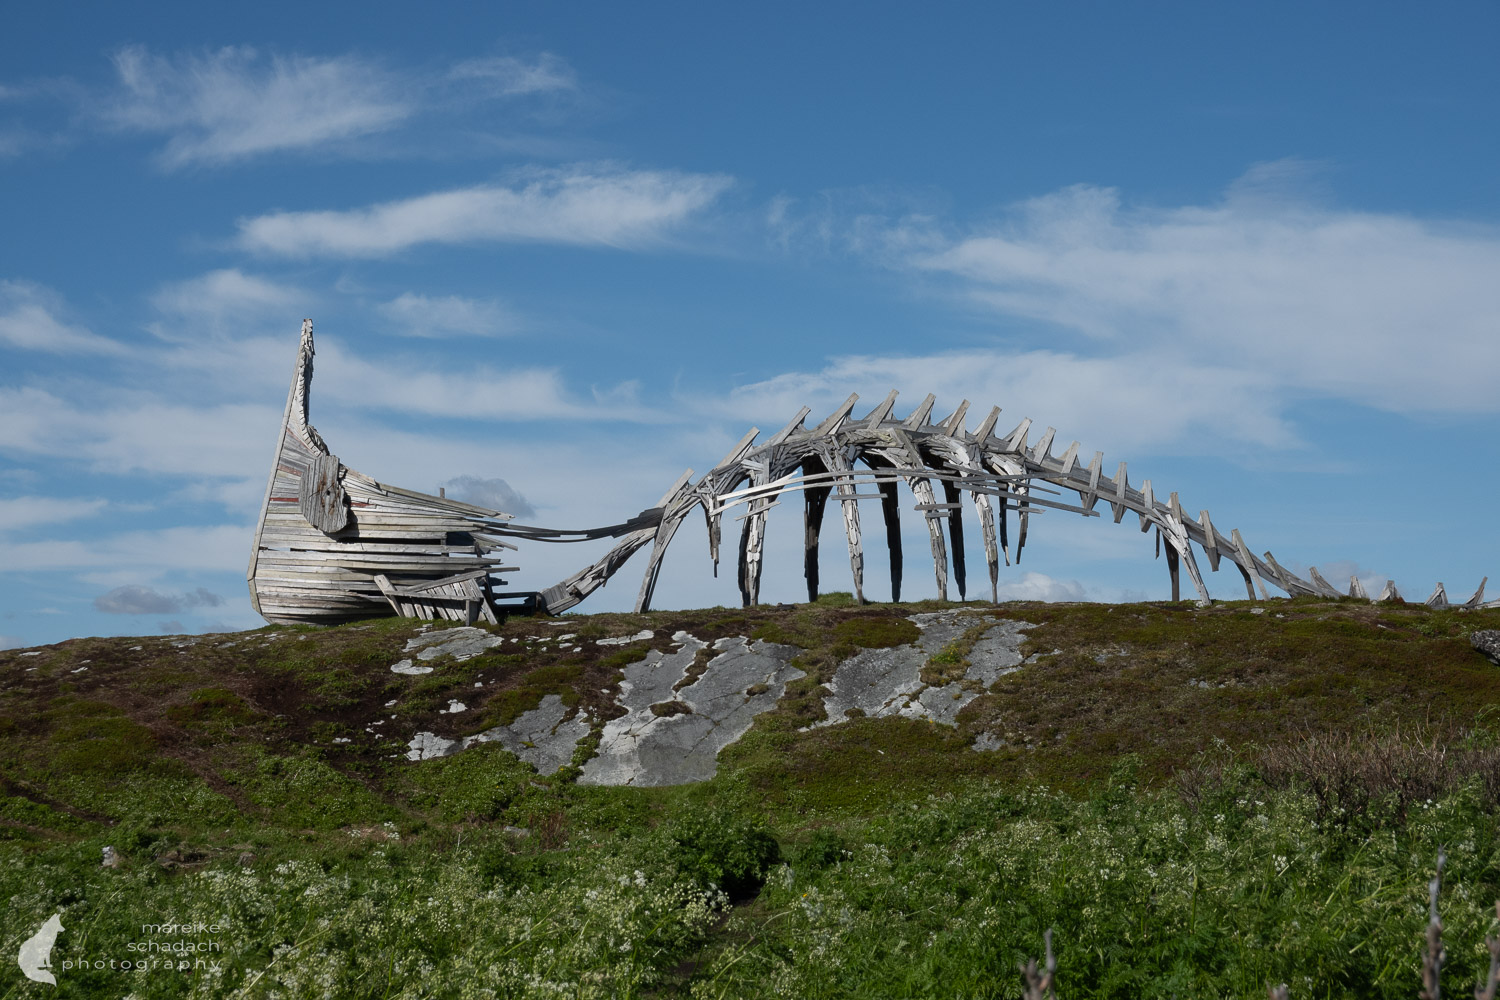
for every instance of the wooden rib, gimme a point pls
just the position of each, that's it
(954, 424)
(1122, 485)
(1015, 441)
(988, 427)
(882, 412)
(922, 490)
(1210, 540)
(1357, 589)
(1439, 598)
(921, 414)
(1246, 563)
(1478, 599)
(837, 417)
(1325, 588)
(1389, 592)
(1043, 449)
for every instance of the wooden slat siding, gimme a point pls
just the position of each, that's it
(304, 362)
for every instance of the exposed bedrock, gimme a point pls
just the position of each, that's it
(671, 735)
(881, 682)
(676, 723)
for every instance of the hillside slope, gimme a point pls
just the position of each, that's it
(764, 734)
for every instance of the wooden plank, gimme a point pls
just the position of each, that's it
(954, 424)
(1478, 599)
(321, 498)
(1439, 598)
(1043, 449)
(882, 412)
(1210, 540)
(1323, 586)
(987, 428)
(1121, 483)
(1148, 502)
(920, 415)
(1015, 441)
(1357, 589)
(956, 536)
(1246, 563)
(922, 490)
(832, 422)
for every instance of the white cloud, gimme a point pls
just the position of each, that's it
(12, 642)
(228, 105)
(28, 320)
(136, 599)
(421, 316)
(1383, 310)
(496, 494)
(145, 553)
(1041, 587)
(223, 303)
(590, 207)
(1134, 404)
(26, 512)
(507, 76)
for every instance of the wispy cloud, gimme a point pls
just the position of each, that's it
(29, 511)
(1135, 403)
(232, 104)
(601, 206)
(29, 321)
(507, 76)
(448, 315)
(1389, 311)
(135, 599)
(222, 302)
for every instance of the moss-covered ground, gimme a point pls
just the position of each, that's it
(1161, 794)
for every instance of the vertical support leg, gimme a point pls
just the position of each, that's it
(890, 507)
(952, 494)
(922, 490)
(815, 500)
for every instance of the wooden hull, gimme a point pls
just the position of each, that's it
(333, 545)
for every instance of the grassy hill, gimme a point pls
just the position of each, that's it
(1200, 801)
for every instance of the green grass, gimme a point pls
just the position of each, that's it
(1200, 802)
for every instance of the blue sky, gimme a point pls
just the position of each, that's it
(578, 248)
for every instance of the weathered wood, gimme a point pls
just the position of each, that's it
(951, 495)
(1389, 592)
(1246, 563)
(1323, 586)
(922, 490)
(1357, 589)
(1477, 600)
(1439, 598)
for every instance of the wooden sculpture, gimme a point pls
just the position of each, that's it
(333, 544)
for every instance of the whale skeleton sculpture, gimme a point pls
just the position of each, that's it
(333, 544)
